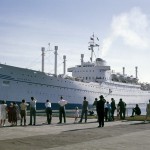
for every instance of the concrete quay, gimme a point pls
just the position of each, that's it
(117, 135)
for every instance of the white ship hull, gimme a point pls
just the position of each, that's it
(18, 83)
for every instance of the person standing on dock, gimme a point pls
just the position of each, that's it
(23, 111)
(3, 113)
(113, 108)
(76, 115)
(15, 111)
(62, 111)
(147, 111)
(84, 110)
(95, 105)
(122, 106)
(48, 111)
(10, 113)
(101, 111)
(33, 110)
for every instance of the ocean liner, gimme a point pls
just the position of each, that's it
(90, 79)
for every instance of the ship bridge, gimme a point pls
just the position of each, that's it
(96, 71)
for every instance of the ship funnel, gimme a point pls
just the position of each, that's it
(64, 57)
(56, 48)
(82, 56)
(136, 72)
(123, 70)
(43, 54)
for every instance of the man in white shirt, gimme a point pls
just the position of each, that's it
(23, 111)
(33, 110)
(62, 112)
(48, 111)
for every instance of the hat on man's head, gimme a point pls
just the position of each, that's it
(32, 98)
(101, 96)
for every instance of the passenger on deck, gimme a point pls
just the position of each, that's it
(136, 110)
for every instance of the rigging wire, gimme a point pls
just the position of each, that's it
(35, 61)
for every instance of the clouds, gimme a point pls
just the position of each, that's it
(132, 28)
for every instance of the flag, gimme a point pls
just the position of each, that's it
(92, 38)
(110, 91)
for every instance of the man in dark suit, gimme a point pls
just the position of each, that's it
(100, 111)
(84, 110)
(122, 106)
(113, 107)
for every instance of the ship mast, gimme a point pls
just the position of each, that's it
(55, 67)
(64, 57)
(92, 44)
(43, 54)
(136, 72)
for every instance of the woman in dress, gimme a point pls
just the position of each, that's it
(10, 114)
(3, 113)
(14, 113)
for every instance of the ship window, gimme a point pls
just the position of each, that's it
(6, 83)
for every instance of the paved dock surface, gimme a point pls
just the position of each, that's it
(117, 135)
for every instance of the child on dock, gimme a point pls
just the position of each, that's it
(76, 115)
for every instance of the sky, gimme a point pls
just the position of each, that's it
(122, 27)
